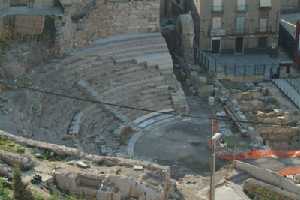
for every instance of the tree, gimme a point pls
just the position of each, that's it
(4, 194)
(20, 189)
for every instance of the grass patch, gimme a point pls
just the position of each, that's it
(51, 156)
(10, 146)
(5, 190)
(57, 196)
(235, 85)
(262, 193)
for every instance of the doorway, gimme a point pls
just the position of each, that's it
(262, 42)
(239, 45)
(215, 45)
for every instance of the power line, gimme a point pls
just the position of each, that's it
(172, 113)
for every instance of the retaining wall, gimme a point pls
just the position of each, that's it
(268, 176)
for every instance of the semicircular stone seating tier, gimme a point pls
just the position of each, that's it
(133, 70)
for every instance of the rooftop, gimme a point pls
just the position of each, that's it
(288, 21)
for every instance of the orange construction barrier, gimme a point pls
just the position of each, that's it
(289, 171)
(257, 154)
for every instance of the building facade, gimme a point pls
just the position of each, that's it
(290, 5)
(238, 26)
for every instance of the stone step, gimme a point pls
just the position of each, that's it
(126, 37)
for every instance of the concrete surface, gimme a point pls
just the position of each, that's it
(180, 143)
(227, 193)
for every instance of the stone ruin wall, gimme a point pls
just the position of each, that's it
(89, 20)
(86, 20)
(115, 187)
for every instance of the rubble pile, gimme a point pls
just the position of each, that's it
(102, 186)
(85, 175)
(277, 128)
(255, 100)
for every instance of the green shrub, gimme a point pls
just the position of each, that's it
(54, 196)
(10, 146)
(20, 150)
(57, 196)
(38, 196)
(4, 192)
(20, 189)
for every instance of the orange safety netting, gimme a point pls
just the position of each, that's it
(289, 171)
(257, 154)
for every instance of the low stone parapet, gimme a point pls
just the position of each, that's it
(260, 190)
(16, 160)
(73, 152)
(268, 176)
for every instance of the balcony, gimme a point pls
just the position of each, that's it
(217, 8)
(239, 31)
(265, 4)
(265, 30)
(217, 32)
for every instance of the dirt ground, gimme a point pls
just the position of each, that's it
(181, 143)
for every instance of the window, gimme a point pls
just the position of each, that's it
(263, 42)
(240, 24)
(217, 5)
(263, 24)
(15, 3)
(241, 5)
(216, 23)
(265, 3)
(9, 21)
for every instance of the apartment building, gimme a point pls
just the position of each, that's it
(238, 26)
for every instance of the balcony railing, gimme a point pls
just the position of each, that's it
(268, 29)
(265, 4)
(240, 31)
(217, 8)
(217, 32)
